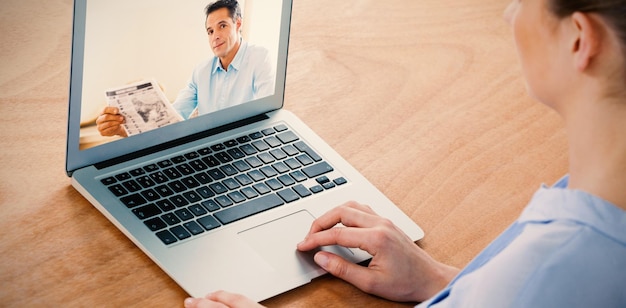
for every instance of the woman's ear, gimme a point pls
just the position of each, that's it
(587, 41)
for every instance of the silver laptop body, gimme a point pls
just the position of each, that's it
(250, 250)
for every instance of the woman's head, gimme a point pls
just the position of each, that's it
(564, 44)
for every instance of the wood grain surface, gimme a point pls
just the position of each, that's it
(425, 98)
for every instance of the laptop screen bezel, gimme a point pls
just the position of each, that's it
(77, 158)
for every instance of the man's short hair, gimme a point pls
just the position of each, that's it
(232, 5)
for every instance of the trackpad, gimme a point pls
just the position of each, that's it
(276, 242)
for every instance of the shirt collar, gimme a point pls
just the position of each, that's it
(237, 60)
(578, 207)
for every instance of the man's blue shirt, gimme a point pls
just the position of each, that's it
(567, 249)
(250, 76)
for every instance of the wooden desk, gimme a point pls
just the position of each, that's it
(425, 98)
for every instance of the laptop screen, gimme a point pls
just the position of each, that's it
(159, 64)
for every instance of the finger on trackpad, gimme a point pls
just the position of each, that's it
(276, 242)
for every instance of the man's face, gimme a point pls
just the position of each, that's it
(223, 33)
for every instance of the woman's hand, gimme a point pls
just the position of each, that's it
(221, 299)
(399, 269)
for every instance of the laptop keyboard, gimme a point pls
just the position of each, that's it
(198, 191)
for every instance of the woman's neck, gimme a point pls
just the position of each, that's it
(597, 143)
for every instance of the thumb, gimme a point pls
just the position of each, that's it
(340, 268)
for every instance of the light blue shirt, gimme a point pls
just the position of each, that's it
(250, 76)
(567, 249)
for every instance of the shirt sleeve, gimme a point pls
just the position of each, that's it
(187, 99)
(264, 76)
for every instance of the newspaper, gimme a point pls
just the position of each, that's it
(143, 105)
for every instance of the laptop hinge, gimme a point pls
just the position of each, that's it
(180, 141)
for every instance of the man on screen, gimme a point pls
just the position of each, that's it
(237, 73)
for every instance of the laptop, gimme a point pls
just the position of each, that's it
(219, 200)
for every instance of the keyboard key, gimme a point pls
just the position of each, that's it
(281, 167)
(205, 192)
(303, 147)
(165, 163)
(133, 200)
(241, 166)
(260, 145)
(290, 150)
(229, 170)
(166, 237)
(274, 184)
(203, 178)
(211, 205)
(198, 165)
(155, 224)
(286, 180)
(165, 205)
(164, 191)
(244, 180)
(249, 192)
(236, 153)
(248, 208)
(223, 157)
(287, 137)
(224, 201)
(216, 174)
(248, 149)
(193, 227)
(254, 162)
(273, 142)
(184, 214)
(151, 168)
(218, 188)
(280, 128)
(301, 191)
(218, 147)
(122, 176)
(192, 155)
(261, 188)
(137, 172)
(316, 189)
(268, 131)
(304, 159)
(231, 183)
(197, 210)
(340, 181)
(150, 195)
(147, 211)
(108, 181)
(243, 139)
(208, 222)
(317, 169)
(256, 175)
(329, 185)
(211, 161)
(170, 219)
(190, 182)
(145, 181)
(179, 201)
(231, 143)
(180, 232)
(178, 159)
(237, 197)
(118, 190)
(288, 195)
(298, 176)
(185, 169)
(158, 177)
(131, 185)
(192, 196)
(177, 186)
(256, 135)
